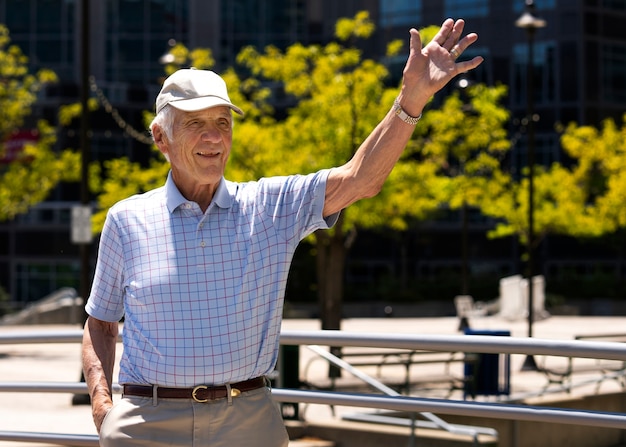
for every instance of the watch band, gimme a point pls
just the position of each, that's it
(400, 113)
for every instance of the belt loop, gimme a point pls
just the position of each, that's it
(155, 399)
(229, 395)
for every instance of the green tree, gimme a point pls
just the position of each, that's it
(30, 176)
(337, 98)
(579, 199)
(340, 97)
(600, 156)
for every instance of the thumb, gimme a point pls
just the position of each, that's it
(415, 44)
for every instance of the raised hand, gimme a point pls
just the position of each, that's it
(430, 68)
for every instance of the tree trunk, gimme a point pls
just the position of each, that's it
(330, 264)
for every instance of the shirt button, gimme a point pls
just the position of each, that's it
(201, 225)
(202, 244)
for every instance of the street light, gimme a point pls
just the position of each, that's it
(530, 22)
(85, 269)
(167, 57)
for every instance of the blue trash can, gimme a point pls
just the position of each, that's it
(487, 374)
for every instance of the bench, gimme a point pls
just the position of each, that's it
(383, 358)
(614, 370)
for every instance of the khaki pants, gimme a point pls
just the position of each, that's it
(252, 419)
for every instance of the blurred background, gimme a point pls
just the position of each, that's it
(571, 69)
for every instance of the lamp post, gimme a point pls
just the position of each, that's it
(85, 276)
(530, 22)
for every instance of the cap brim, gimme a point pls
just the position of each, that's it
(201, 103)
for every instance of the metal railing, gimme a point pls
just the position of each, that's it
(465, 343)
(432, 421)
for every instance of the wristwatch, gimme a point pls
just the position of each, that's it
(400, 113)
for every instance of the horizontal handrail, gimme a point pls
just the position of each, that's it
(399, 403)
(75, 440)
(487, 344)
(437, 421)
(464, 343)
(461, 408)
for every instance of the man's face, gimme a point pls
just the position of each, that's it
(200, 146)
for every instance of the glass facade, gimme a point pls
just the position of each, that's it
(467, 8)
(614, 73)
(137, 32)
(260, 23)
(544, 73)
(44, 30)
(400, 12)
(519, 5)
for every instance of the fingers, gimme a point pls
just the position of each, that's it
(415, 42)
(462, 44)
(454, 35)
(444, 31)
(465, 66)
(449, 33)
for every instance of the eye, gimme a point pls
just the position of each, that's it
(223, 123)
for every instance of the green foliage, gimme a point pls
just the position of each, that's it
(29, 179)
(70, 112)
(338, 98)
(582, 199)
(181, 56)
(601, 163)
(359, 27)
(18, 89)
(466, 140)
(125, 179)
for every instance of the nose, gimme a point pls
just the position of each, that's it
(211, 133)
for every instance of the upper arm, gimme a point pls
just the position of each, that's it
(344, 187)
(98, 332)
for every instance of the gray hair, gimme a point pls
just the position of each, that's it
(165, 120)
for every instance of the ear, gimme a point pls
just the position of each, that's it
(160, 139)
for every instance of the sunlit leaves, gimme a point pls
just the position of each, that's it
(37, 169)
(601, 163)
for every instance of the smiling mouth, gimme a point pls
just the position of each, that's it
(207, 154)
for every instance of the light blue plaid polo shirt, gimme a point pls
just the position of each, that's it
(202, 294)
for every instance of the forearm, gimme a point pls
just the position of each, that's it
(364, 175)
(427, 70)
(98, 353)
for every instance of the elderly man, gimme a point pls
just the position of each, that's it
(198, 267)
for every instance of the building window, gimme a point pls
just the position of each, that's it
(618, 5)
(614, 73)
(400, 12)
(544, 81)
(467, 8)
(519, 5)
(137, 35)
(44, 31)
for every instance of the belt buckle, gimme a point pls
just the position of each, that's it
(195, 391)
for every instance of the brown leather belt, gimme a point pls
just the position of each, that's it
(200, 393)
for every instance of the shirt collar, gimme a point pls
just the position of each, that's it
(174, 198)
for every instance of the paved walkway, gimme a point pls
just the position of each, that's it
(50, 412)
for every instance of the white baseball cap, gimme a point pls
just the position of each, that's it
(189, 89)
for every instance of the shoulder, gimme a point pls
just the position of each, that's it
(152, 199)
(278, 184)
